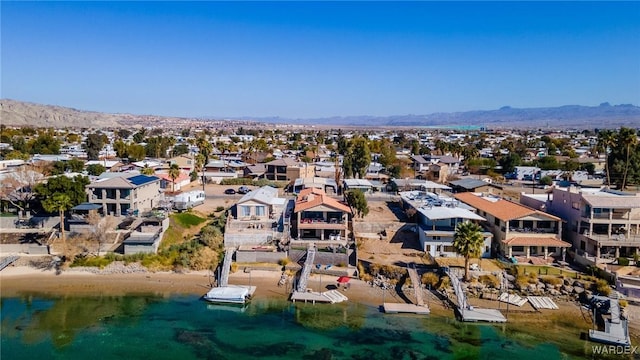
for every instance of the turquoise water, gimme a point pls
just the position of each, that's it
(152, 327)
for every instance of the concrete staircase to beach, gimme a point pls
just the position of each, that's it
(457, 288)
(417, 284)
(226, 267)
(306, 270)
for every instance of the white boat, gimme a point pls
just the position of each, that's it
(229, 294)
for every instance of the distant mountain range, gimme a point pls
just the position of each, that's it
(20, 113)
(568, 116)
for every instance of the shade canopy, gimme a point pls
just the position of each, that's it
(343, 279)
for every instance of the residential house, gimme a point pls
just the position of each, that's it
(256, 171)
(319, 217)
(169, 184)
(287, 169)
(436, 217)
(127, 194)
(258, 218)
(326, 184)
(517, 229)
(602, 224)
(474, 185)
(109, 165)
(185, 162)
(358, 184)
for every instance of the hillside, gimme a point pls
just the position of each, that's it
(20, 113)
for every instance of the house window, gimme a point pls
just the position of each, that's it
(427, 248)
(246, 210)
(496, 221)
(436, 238)
(260, 210)
(449, 249)
(518, 248)
(575, 205)
(583, 246)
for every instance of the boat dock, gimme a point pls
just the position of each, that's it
(331, 296)
(616, 330)
(395, 308)
(419, 308)
(469, 313)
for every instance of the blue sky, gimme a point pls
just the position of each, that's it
(308, 59)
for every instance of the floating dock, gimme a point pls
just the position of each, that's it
(331, 296)
(616, 329)
(395, 308)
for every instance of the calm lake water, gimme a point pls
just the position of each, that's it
(151, 327)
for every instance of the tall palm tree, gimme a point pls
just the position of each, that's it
(205, 148)
(628, 138)
(174, 173)
(59, 202)
(468, 241)
(606, 139)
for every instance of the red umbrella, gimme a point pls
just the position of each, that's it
(343, 279)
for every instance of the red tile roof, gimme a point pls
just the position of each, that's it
(535, 241)
(502, 209)
(311, 197)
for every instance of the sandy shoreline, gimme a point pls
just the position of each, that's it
(23, 280)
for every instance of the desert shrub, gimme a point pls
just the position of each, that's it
(234, 267)
(602, 287)
(220, 208)
(551, 280)
(91, 261)
(284, 261)
(623, 303)
(623, 261)
(211, 236)
(445, 282)
(489, 280)
(205, 258)
(430, 279)
(389, 271)
(407, 281)
(532, 278)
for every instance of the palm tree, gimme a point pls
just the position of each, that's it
(174, 173)
(205, 148)
(146, 170)
(628, 138)
(468, 241)
(606, 139)
(59, 202)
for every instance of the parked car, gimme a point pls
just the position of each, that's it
(243, 190)
(229, 191)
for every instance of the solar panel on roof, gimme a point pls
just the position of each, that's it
(141, 179)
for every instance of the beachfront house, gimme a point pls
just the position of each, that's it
(436, 218)
(518, 230)
(125, 195)
(257, 218)
(319, 217)
(602, 224)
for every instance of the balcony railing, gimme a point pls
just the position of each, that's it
(533, 230)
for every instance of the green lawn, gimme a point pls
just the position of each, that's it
(544, 270)
(188, 219)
